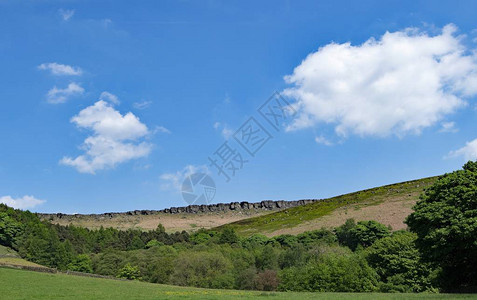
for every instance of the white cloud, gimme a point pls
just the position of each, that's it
(399, 84)
(59, 69)
(322, 140)
(469, 151)
(56, 95)
(66, 14)
(224, 130)
(161, 129)
(113, 141)
(173, 181)
(25, 202)
(107, 96)
(142, 105)
(448, 127)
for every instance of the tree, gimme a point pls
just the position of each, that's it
(203, 269)
(331, 273)
(81, 263)
(228, 236)
(445, 221)
(153, 243)
(398, 262)
(266, 280)
(9, 230)
(364, 233)
(345, 235)
(129, 272)
(266, 258)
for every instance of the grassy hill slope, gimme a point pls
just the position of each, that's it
(9, 257)
(21, 284)
(389, 204)
(172, 222)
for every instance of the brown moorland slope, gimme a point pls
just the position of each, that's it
(389, 204)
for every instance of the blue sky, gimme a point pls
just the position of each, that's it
(108, 105)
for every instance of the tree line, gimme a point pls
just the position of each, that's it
(438, 253)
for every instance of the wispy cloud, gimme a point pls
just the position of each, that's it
(66, 14)
(322, 140)
(161, 129)
(448, 127)
(142, 105)
(107, 96)
(25, 202)
(56, 95)
(60, 69)
(113, 140)
(224, 130)
(173, 181)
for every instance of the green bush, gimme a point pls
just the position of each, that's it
(203, 269)
(129, 272)
(363, 234)
(81, 263)
(331, 273)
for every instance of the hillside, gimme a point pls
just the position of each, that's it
(388, 204)
(20, 284)
(9, 257)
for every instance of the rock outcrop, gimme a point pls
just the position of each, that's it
(195, 209)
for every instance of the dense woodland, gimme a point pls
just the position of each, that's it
(439, 253)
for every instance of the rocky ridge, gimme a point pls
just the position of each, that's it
(195, 209)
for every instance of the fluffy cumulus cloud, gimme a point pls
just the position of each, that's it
(115, 138)
(56, 95)
(173, 181)
(398, 84)
(25, 202)
(468, 152)
(59, 69)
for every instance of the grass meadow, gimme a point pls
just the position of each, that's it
(21, 284)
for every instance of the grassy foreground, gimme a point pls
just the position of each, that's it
(20, 284)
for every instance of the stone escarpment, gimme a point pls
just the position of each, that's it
(195, 209)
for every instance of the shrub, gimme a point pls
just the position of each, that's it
(153, 243)
(266, 280)
(129, 272)
(331, 273)
(202, 269)
(228, 236)
(81, 263)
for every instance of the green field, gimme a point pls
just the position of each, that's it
(20, 284)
